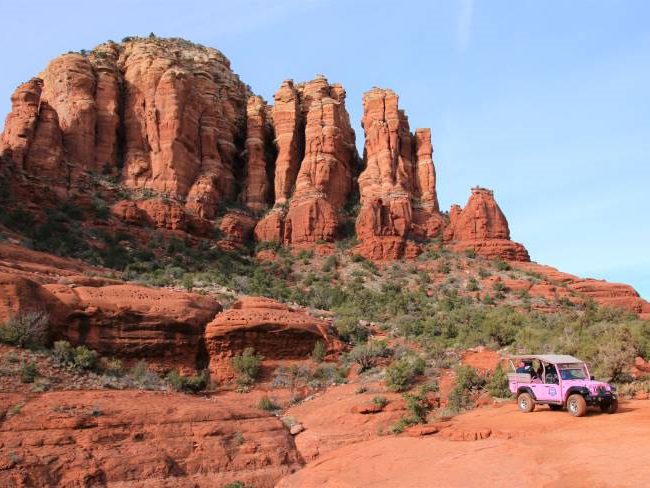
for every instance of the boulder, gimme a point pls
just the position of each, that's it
(271, 328)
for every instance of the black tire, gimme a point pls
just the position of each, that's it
(555, 408)
(576, 405)
(525, 403)
(610, 407)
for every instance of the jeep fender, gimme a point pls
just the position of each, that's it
(580, 390)
(526, 389)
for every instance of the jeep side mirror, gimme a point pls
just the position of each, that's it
(592, 377)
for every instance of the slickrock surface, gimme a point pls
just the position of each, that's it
(270, 327)
(143, 439)
(505, 448)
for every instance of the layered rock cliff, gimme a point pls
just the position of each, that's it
(186, 139)
(315, 165)
(398, 183)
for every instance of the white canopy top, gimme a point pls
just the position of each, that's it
(549, 358)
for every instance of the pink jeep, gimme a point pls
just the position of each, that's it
(558, 381)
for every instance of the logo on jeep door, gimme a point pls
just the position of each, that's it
(552, 391)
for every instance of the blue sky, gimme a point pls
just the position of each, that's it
(547, 103)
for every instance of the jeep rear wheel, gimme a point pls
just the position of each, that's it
(610, 407)
(576, 405)
(525, 403)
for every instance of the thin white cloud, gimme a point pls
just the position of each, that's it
(464, 26)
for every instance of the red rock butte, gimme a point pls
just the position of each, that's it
(170, 120)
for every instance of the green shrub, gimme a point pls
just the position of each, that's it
(318, 354)
(401, 373)
(399, 426)
(26, 330)
(380, 401)
(189, 384)
(62, 352)
(85, 359)
(497, 385)
(502, 265)
(468, 382)
(28, 372)
(418, 405)
(330, 263)
(472, 285)
(113, 367)
(79, 357)
(237, 484)
(143, 377)
(470, 253)
(350, 330)
(248, 366)
(267, 404)
(366, 355)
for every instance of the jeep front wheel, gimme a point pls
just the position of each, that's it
(525, 403)
(610, 407)
(576, 405)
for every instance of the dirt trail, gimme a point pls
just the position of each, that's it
(543, 449)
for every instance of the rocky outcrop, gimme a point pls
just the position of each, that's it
(317, 155)
(616, 295)
(20, 295)
(165, 113)
(21, 121)
(398, 181)
(164, 327)
(137, 438)
(236, 229)
(273, 329)
(161, 326)
(482, 227)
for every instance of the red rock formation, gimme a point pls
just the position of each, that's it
(45, 157)
(256, 188)
(270, 327)
(20, 295)
(21, 121)
(107, 105)
(325, 177)
(602, 292)
(182, 116)
(237, 229)
(137, 438)
(481, 226)
(399, 170)
(162, 326)
(289, 137)
(69, 88)
(129, 213)
(310, 117)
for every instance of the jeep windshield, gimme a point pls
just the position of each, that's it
(572, 371)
